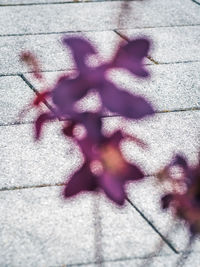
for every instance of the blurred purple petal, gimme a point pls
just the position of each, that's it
(93, 124)
(45, 117)
(181, 161)
(115, 138)
(124, 103)
(82, 180)
(133, 172)
(66, 92)
(113, 186)
(81, 48)
(130, 56)
(165, 200)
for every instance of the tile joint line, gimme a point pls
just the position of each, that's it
(153, 227)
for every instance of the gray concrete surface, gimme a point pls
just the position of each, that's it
(37, 227)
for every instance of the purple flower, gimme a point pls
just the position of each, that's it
(68, 90)
(129, 56)
(184, 198)
(104, 168)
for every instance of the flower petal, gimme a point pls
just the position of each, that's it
(66, 92)
(93, 124)
(80, 48)
(124, 103)
(82, 180)
(133, 172)
(166, 200)
(115, 138)
(44, 117)
(113, 187)
(131, 55)
(181, 161)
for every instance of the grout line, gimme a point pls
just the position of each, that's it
(123, 36)
(16, 123)
(29, 187)
(119, 260)
(64, 2)
(153, 227)
(37, 93)
(194, 1)
(28, 83)
(44, 33)
(73, 69)
(104, 116)
(178, 110)
(13, 188)
(30, 72)
(103, 30)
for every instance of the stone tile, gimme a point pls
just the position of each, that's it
(26, 163)
(100, 16)
(28, 2)
(170, 87)
(126, 234)
(49, 50)
(171, 44)
(39, 229)
(14, 96)
(165, 134)
(146, 196)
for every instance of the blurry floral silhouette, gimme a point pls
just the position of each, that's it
(183, 198)
(30, 59)
(129, 56)
(104, 167)
(68, 91)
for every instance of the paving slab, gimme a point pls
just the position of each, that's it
(15, 95)
(28, 163)
(170, 87)
(146, 196)
(171, 44)
(123, 232)
(50, 52)
(95, 16)
(176, 231)
(39, 228)
(54, 56)
(55, 158)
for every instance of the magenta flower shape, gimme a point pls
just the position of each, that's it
(104, 168)
(68, 91)
(129, 56)
(185, 198)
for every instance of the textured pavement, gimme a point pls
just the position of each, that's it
(39, 228)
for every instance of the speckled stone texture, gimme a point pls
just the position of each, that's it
(95, 16)
(174, 230)
(183, 42)
(37, 227)
(15, 96)
(49, 50)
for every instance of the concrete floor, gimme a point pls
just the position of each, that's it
(37, 227)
